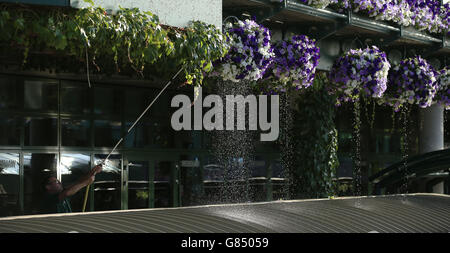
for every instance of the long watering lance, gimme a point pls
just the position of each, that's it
(129, 130)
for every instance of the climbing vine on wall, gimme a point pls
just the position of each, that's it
(317, 142)
(127, 39)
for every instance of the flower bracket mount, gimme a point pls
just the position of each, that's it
(432, 50)
(327, 32)
(394, 37)
(319, 32)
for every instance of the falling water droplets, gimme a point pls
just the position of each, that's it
(287, 144)
(233, 150)
(357, 150)
(405, 150)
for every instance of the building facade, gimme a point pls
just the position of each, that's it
(55, 123)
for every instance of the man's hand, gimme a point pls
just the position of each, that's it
(97, 169)
(91, 175)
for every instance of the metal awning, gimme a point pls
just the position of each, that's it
(394, 213)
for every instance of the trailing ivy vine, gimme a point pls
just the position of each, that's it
(316, 142)
(127, 39)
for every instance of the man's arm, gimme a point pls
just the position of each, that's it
(82, 182)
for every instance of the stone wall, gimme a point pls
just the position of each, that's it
(170, 12)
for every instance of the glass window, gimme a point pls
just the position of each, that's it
(108, 100)
(138, 194)
(40, 131)
(9, 131)
(75, 132)
(10, 93)
(134, 103)
(36, 167)
(73, 167)
(258, 167)
(190, 181)
(162, 104)
(207, 139)
(187, 139)
(162, 184)
(395, 144)
(278, 181)
(163, 135)
(345, 167)
(9, 184)
(345, 142)
(137, 100)
(155, 134)
(41, 95)
(107, 133)
(141, 136)
(257, 187)
(213, 179)
(75, 98)
(107, 190)
(277, 170)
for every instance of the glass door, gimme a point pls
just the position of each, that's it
(167, 190)
(109, 184)
(140, 187)
(152, 181)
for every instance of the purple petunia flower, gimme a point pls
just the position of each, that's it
(411, 81)
(443, 93)
(250, 54)
(295, 63)
(360, 72)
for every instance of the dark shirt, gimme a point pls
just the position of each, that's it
(52, 204)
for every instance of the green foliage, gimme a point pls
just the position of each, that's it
(129, 39)
(316, 142)
(197, 48)
(142, 194)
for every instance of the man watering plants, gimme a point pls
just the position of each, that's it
(56, 196)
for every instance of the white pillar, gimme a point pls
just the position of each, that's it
(431, 137)
(431, 129)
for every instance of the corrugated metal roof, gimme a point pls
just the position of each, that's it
(394, 213)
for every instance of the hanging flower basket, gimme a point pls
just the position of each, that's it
(427, 15)
(444, 14)
(294, 64)
(250, 53)
(360, 72)
(398, 11)
(443, 93)
(373, 8)
(411, 81)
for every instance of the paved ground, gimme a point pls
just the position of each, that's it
(397, 213)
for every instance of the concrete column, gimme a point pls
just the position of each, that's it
(431, 133)
(431, 129)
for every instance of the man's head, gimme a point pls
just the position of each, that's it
(52, 185)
